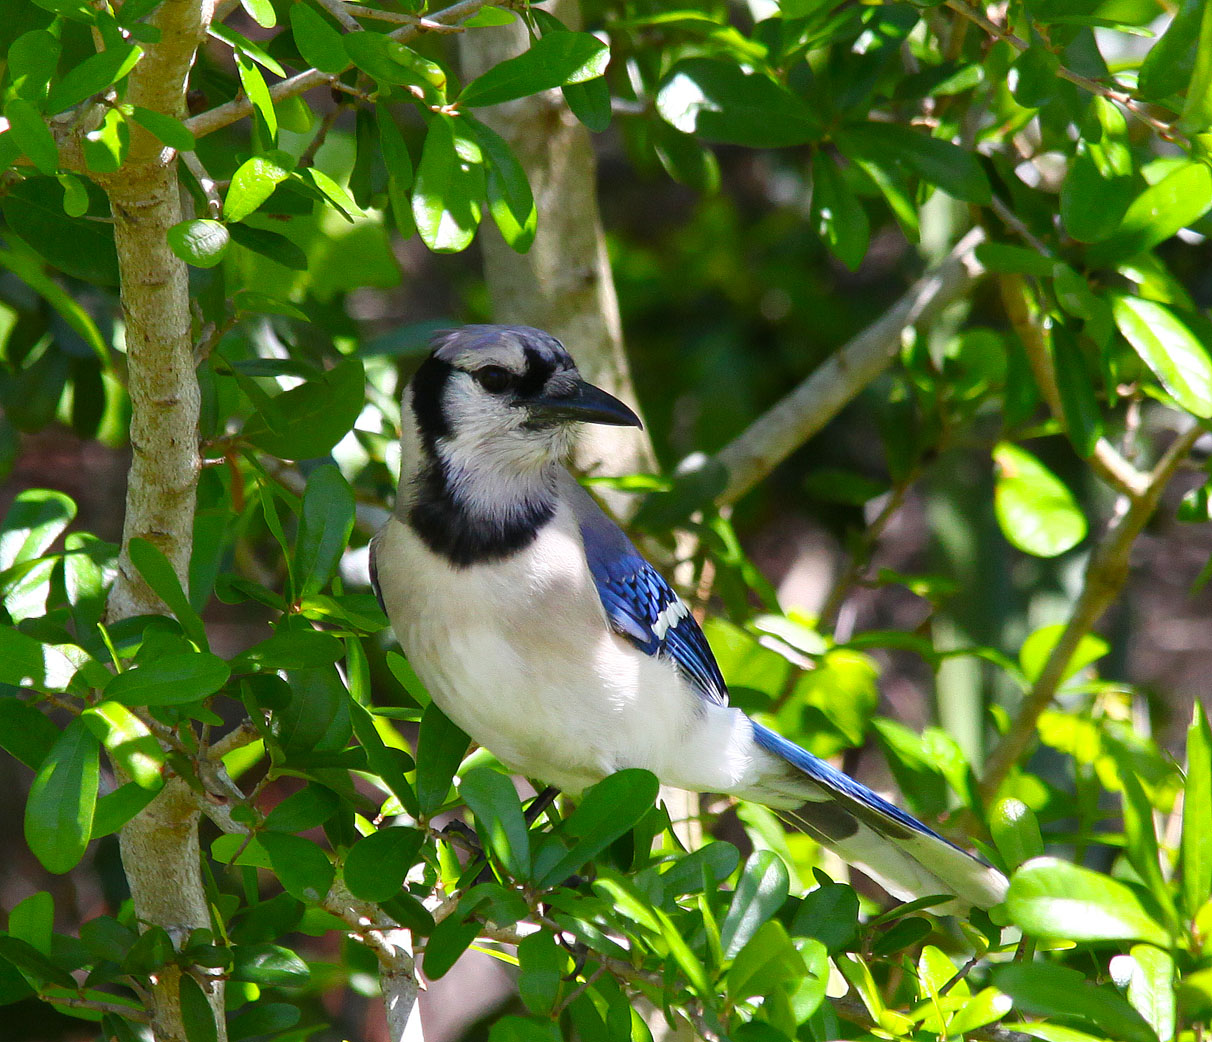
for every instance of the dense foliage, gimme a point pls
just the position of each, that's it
(828, 152)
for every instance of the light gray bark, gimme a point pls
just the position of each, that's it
(160, 846)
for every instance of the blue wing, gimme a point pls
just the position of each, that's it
(640, 604)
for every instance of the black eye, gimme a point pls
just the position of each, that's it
(495, 379)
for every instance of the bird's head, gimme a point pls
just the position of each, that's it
(509, 393)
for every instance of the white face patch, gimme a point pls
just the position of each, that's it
(673, 613)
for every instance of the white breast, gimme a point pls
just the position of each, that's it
(518, 653)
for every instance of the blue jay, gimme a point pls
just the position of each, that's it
(541, 631)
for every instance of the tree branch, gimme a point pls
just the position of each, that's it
(1106, 460)
(223, 115)
(1106, 574)
(772, 437)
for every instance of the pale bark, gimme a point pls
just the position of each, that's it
(160, 851)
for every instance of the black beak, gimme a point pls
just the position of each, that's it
(585, 404)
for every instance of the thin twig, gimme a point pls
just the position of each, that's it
(214, 202)
(79, 1002)
(337, 10)
(313, 146)
(399, 18)
(1106, 574)
(1119, 97)
(1106, 460)
(224, 115)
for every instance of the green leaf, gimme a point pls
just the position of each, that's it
(261, 12)
(290, 649)
(1169, 348)
(199, 241)
(1038, 646)
(395, 151)
(767, 960)
(1168, 65)
(245, 48)
(830, 914)
(33, 58)
(278, 248)
(552, 61)
(1092, 206)
(196, 1015)
(494, 801)
(449, 186)
(31, 962)
(684, 158)
(75, 195)
(841, 220)
(319, 43)
(26, 734)
(1175, 202)
(367, 150)
(33, 211)
(27, 266)
(761, 891)
(1035, 79)
(92, 76)
(1151, 988)
(254, 182)
(317, 716)
(37, 517)
(269, 965)
(325, 524)
(316, 415)
(1083, 419)
(303, 868)
(116, 808)
(388, 764)
(170, 131)
(171, 680)
(955, 170)
(128, 741)
(1197, 814)
(590, 103)
(1140, 841)
(262, 1018)
(607, 810)
(1014, 260)
(32, 135)
(1015, 832)
(1034, 509)
(441, 746)
(258, 93)
(1197, 112)
(1052, 898)
(509, 198)
(62, 800)
(717, 101)
(1042, 989)
(542, 965)
(105, 147)
(450, 939)
(159, 575)
(33, 921)
(376, 865)
(306, 809)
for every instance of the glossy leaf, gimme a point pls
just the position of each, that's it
(311, 418)
(606, 811)
(1151, 988)
(449, 187)
(62, 800)
(33, 58)
(509, 197)
(290, 649)
(1197, 814)
(159, 575)
(1048, 990)
(170, 131)
(1168, 347)
(1197, 111)
(325, 524)
(953, 169)
(306, 809)
(32, 135)
(1052, 898)
(301, 866)
(258, 93)
(26, 734)
(171, 680)
(376, 865)
(717, 101)
(269, 965)
(254, 182)
(441, 746)
(105, 146)
(494, 801)
(1035, 511)
(1083, 419)
(318, 42)
(543, 965)
(760, 892)
(196, 1014)
(128, 741)
(1168, 65)
(589, 102)
(840, 217)
(33, 211)
(199, 241)
(1177, 201)
(33, 522)
(92, 75)
(1015, 831)
(551, 61)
